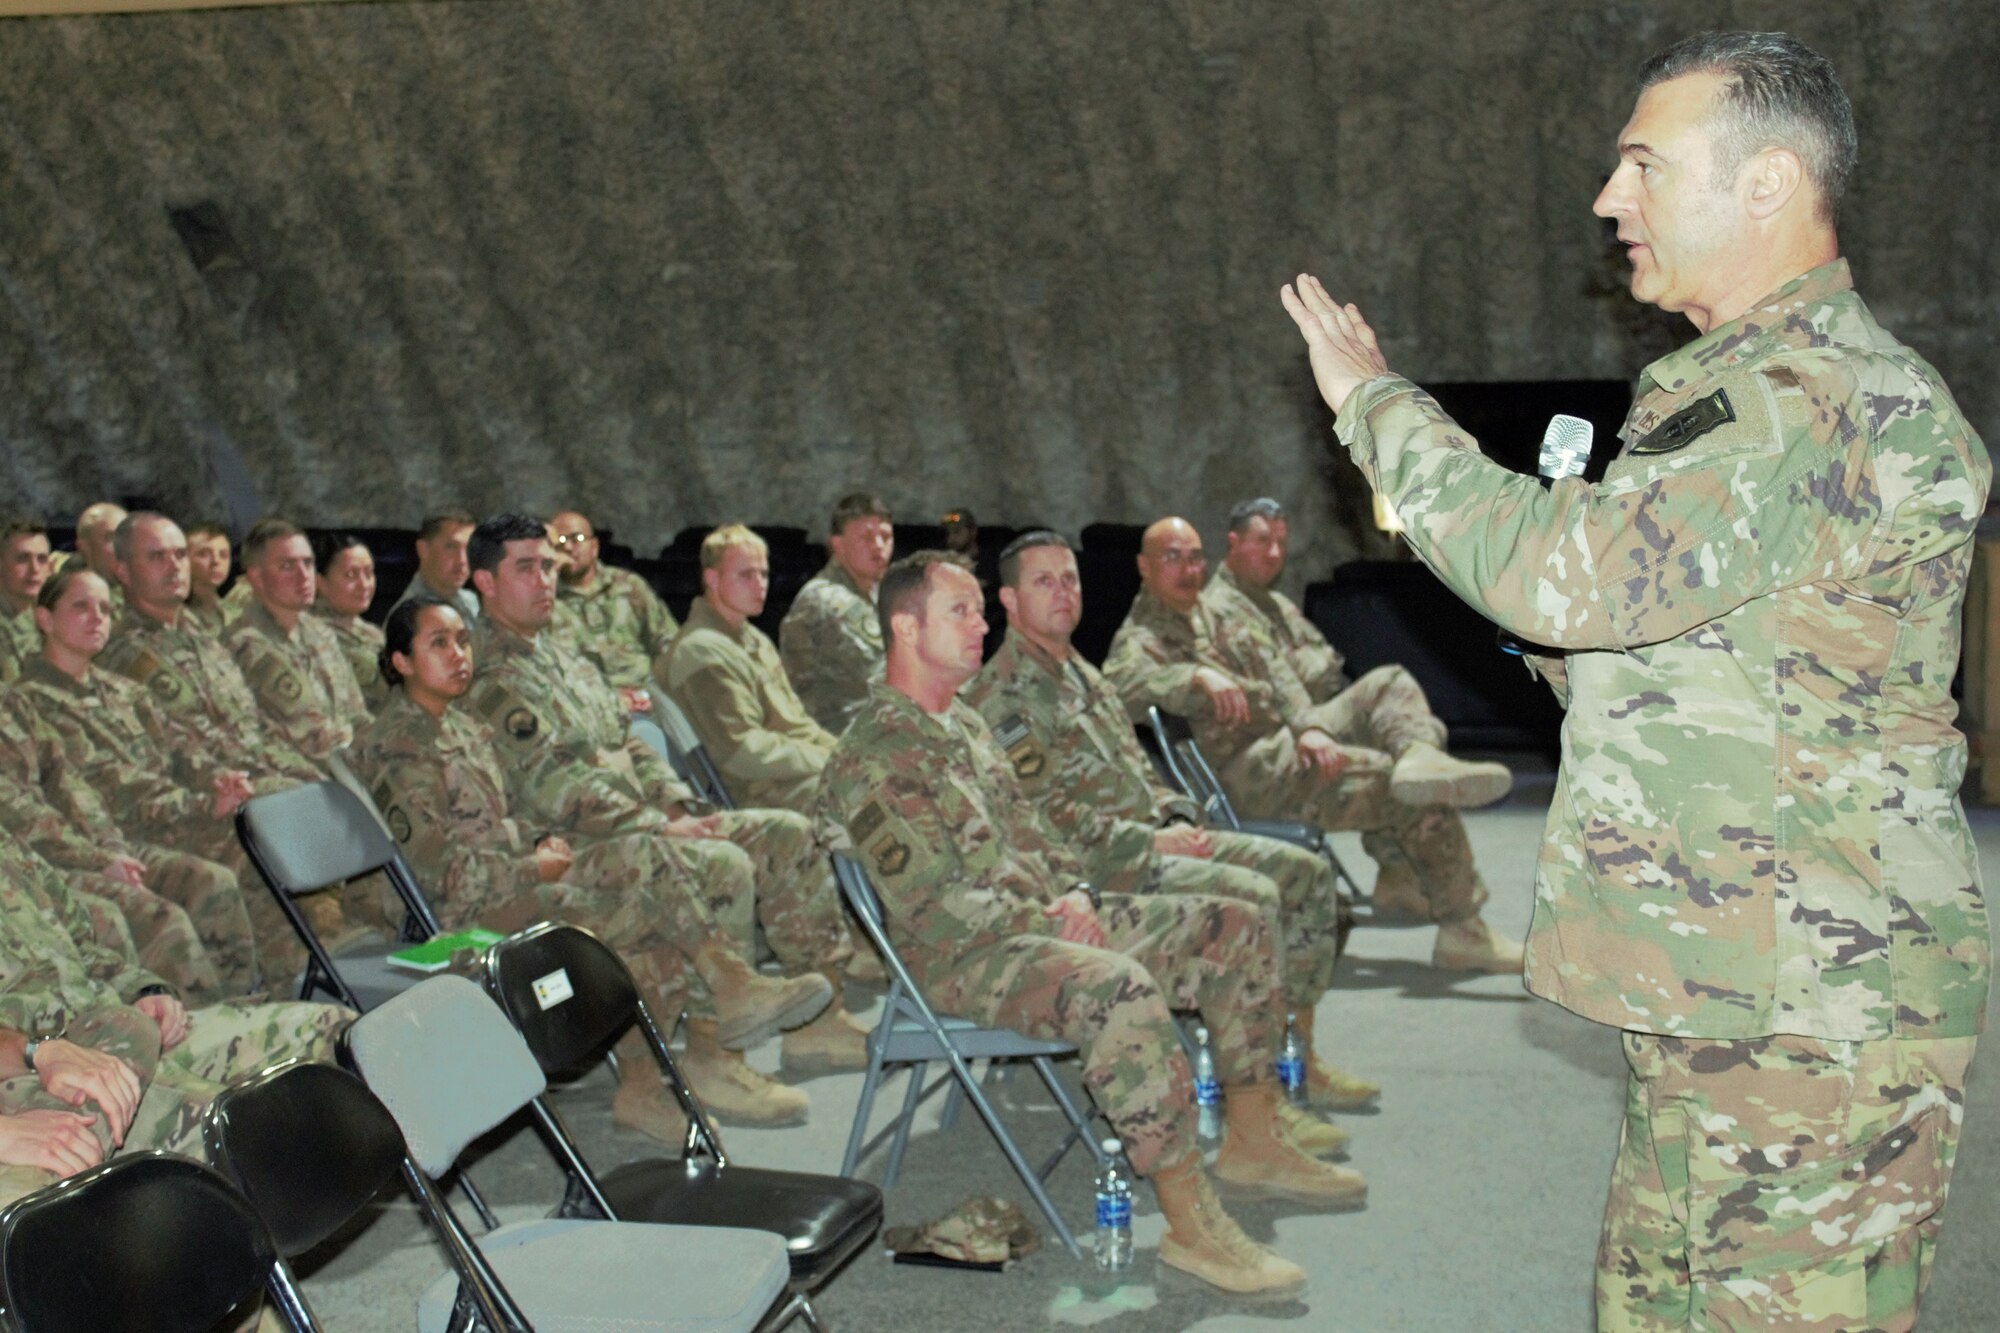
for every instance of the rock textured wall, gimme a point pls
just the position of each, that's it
(678, 262)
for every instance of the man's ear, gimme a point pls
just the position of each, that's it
(482, 582)
(1008, 599)
(1773, 179)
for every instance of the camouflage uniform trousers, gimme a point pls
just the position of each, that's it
(798, 903)
(212, 896)
(1778, 1181)
(279, 954)
(1161, 953)
(223, 1043)
(1270, 781)
(1292, 887)
(648, 899)
(1384, 710)
(158, 931)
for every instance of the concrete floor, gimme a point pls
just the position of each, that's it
(1487, 1164)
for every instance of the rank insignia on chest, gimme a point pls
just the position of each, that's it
(521, 724)
(892, 856)
(1688, 425)
(1023, 752)
(399, 823)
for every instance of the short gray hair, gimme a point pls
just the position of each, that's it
(1263, 507)
(1777, 92)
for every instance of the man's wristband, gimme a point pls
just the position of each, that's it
(1089, 891)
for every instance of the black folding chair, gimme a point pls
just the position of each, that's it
(146, 1243)
(571, 997)
(309, 1146)
(688, 755)
(1173, 746)
(911, 1035)
(314, 837)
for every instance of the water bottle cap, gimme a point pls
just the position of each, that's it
(1291, 1018)
(1112, 1147)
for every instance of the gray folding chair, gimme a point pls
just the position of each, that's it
(1173, 746)
(450, 1067)
(315, 837)
(911, 1035)
(688, 755)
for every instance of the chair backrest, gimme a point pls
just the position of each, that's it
(688, 755)
(567, 993)
(339, 762)
(308, 1144)
(447, 1064)
(312, 836)
(1190, 769)
(859, 891)
(655, 738)
(147, 1243)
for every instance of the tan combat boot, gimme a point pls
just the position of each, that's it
(1260, 1158)
(834, 1042)
(1471, 946)
(865, 968)
(1426, 775)
(752, 1007)
(1329, 1088)
(642, 1102)
(1399, 893)
(733, 1092)
(1204, 1240)
(1315, 1135)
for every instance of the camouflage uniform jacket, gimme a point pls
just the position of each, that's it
(361, 644)
(19, 641)
(465, 599)
(1075, 755)
(440, 787)
(305, 690)
(1317, 663)
(212, 617)
(734, 690)
(931, 807)
(200, 691)
(1756, 826)
(831, 642)
(52, 963)
(1157, 650)
(620, 623)
(29, 819)
(99, 751)
(570, 760)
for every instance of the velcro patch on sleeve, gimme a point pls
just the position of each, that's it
(1688, 425)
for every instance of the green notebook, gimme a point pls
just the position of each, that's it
(434, 954)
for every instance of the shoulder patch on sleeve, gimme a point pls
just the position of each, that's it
(1688, 425)
(521, 724)
(871, 818)
(1024, 752)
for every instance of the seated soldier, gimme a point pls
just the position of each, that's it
(437, 779)
(573, 768)
(109, 880)
(441, 568)
(726, 676)
(94, 529)
(1076, 756)
(616, 619)
(346, 588)
(830, 639)
(1278, 758)
(97, 1054)
(24, 568)
(209, 562)
(987, 907)
(306, 693)
(98, 753)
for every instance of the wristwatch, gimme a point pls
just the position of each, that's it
(1089, 891)
(28, 1051)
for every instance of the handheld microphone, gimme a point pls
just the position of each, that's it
(1565, 452)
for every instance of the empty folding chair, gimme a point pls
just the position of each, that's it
(571, 997)
(146, 1243)
(309, 1146)
(1173, 745)
(450, 1067)
(912, 1035)
(317, 836)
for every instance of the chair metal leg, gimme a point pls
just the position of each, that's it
(1029, 1178)
(863, 1108)
(953, 1099)
(792, 1307)
(478, 1202)
(284, 1292)
(911, 1096)
(1079, 1122)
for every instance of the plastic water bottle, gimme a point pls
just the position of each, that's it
(1292, 1063)
(1114, 1212)
(1207, 1092)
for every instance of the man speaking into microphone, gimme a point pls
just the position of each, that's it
(1755, 864)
